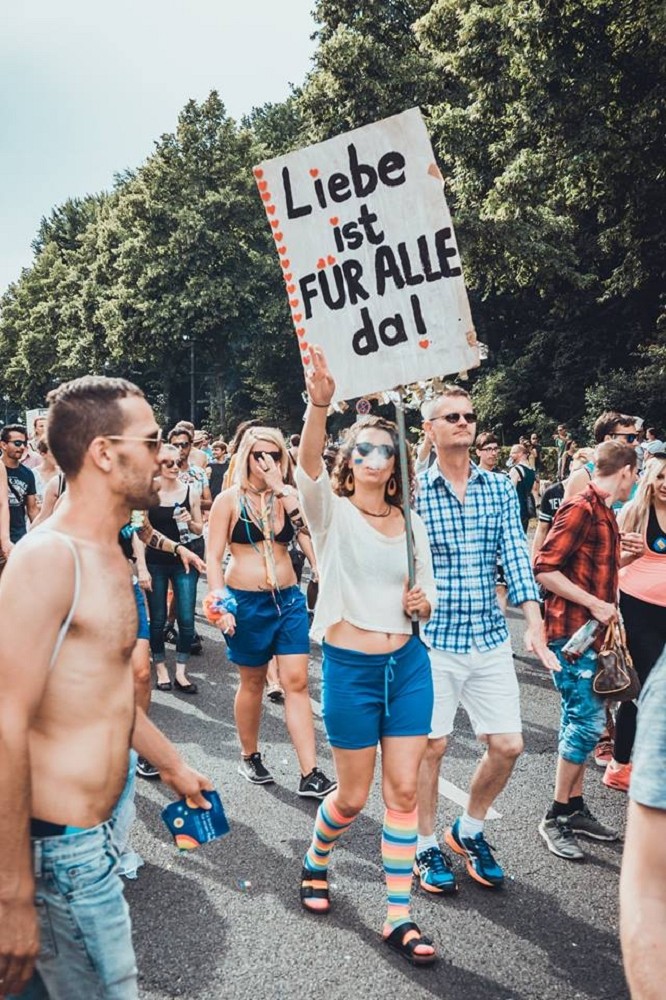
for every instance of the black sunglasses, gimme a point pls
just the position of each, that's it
(168, 464)
(275, 455)
(365, 448)
(630, 437)
(180, 444)
(454, 418)
(18, 444)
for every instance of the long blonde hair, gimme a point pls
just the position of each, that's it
(250, 438)
(634, 515)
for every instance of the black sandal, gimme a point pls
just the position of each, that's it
(164, 685)
(407, 949)
(314, 885)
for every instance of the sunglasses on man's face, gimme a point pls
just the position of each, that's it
(454, 418)
(18, 444)
(181, 444)
(275, 455)
(365, 448)
(630, 438)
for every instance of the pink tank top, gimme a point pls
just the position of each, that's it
(645, 578)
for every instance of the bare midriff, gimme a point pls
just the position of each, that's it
(246, 569)
(347, 636)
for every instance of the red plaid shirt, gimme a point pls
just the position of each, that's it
(584, 545)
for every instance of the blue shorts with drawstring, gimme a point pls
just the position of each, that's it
(366, 696)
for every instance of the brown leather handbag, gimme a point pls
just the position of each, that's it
(616, 676)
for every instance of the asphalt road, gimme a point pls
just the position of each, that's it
(224, 922)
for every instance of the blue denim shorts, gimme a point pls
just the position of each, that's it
(647, 777)
(368, 696)
(583, 715)
(268, 624)
(84, 924)
(143, 629)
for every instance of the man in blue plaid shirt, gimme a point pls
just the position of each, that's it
(471, 516)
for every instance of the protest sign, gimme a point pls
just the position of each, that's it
(369, 258)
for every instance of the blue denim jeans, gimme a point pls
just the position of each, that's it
(84, 924)
(583, 716)
(185, 591)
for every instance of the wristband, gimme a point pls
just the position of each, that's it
(218, 603)
(177, 546)
(320, 406)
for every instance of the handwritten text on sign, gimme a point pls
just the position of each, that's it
(369, 256)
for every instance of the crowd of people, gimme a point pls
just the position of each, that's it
(97, 510)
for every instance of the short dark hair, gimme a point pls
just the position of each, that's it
(180, 429)
(80, 411)
(12, 429)
(611, 456)
(484, 438)
(604, 424)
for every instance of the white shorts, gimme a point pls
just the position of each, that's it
(483, 682)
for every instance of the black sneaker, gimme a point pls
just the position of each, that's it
(196, 649)
(254, 771)
(146, 770)
(170, 633)
(316, 785)
(584, 824)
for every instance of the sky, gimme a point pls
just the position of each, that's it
(87, 87)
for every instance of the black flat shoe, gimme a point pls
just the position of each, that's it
(189, 688)
(164, 685)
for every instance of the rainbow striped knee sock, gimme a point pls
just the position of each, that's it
(329, 825)
(398, 853)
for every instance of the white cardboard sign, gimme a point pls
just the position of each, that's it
(369, 257)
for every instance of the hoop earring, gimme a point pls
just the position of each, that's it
(391, 487)
(349, 482)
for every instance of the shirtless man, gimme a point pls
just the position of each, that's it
(67, 712)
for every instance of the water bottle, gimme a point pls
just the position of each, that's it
(183, 530)
(581, 640)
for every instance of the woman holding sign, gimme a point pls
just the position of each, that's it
(377, 682)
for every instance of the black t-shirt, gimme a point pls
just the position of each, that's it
(217, 473)
(21, 484)
(550, 502)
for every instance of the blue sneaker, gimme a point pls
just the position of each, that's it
(481, 864)
(433, 868)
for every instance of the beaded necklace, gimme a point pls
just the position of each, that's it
(263, 519)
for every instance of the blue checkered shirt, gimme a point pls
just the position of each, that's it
(467, 540)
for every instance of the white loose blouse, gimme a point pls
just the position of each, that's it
(362, 573)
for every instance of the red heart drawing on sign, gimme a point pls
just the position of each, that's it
(314, 172)
(270, 209)
(300, 331)
(258, 172)
(285, 263)
(277, 237)
(306, 359)
(282, 251)
(298, 317)
(266, 196)
(288, 277)
(275, 223)
(330, 260)
(263, 185)
(321, 263)
(304, 345)
(424, 343)
(334, 221)
(294, 303)
(290, 288)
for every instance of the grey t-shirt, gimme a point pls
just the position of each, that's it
(648, 786)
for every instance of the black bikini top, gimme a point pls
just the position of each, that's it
(246, 532)
(655, 537)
